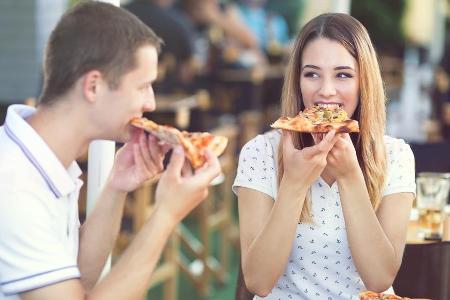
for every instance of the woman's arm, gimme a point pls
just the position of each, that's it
(268, 228)
(376, 240)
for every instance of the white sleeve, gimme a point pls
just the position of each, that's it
(256, 167)
(32, 253)
(401, 169)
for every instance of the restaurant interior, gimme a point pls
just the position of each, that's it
(215, 76)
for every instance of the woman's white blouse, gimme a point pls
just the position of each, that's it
(320, 265)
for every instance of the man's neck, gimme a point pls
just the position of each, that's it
(62, 130)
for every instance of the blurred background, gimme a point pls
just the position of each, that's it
(221, 70)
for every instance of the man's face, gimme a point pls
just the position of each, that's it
(132, 98)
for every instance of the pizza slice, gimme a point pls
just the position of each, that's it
(216, 144)
(369, 295)
(193, 143)
(319, 119)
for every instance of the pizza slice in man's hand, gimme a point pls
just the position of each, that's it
(193, 143)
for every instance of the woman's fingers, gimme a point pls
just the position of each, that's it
(324, 146)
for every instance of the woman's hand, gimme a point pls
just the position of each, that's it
(303, 167)
(342, 160)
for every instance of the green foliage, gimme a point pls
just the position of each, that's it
(382, 18)
(291, 10)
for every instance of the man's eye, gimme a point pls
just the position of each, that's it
(344, 75)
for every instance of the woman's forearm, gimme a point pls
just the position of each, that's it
(373, 253)
(268, 254)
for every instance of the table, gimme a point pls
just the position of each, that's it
(425, 269)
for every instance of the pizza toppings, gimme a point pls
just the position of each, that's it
(369, 295)
(323, 114)
(194, 143)
(319, 119)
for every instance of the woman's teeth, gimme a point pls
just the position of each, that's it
(329, 105)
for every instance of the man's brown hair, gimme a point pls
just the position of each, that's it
(92, 36)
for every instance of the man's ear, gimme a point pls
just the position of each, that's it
(91, 83)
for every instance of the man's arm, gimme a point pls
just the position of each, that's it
(98, 235)
(129, 277)
(136, 162)
(176, 195)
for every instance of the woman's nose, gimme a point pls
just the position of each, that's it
(327, 89)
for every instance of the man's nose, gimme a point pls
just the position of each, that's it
(150, 105)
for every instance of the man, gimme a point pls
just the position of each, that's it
(99, 66)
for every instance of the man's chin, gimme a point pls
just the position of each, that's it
(125, 138)
(128, 134)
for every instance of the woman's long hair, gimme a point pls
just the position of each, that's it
(370, 111)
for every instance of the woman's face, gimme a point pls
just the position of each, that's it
(329, 75)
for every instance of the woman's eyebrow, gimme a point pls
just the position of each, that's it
(311, 66)
(344, 68)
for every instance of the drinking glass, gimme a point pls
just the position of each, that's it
(432, 194)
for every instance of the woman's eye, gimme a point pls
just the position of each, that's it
(344, 75)
(311, 75)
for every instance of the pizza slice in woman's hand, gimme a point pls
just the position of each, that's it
(193, 143)
(369, 295)
(319, 119)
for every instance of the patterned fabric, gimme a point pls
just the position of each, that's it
(320, 265)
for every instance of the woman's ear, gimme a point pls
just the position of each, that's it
(91, 84)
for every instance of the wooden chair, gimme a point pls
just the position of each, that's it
(176, 109)
(250, 123)
(214, 216)
(138, 208)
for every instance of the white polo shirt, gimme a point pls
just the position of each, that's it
(320, 265)
(39, 223)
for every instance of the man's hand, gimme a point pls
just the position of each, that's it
(178, 191)
(137, 161)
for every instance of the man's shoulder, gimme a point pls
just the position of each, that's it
(15, 167)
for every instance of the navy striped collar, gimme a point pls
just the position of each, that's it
(59, 180)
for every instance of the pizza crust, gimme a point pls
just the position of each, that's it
(369, 295)
(193, 143)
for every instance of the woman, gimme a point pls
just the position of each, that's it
(325, 217)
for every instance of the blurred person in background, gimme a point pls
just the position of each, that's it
(176, 70)
(222, 38)
(99, 67)
(325, 215)
(270, 28)
(441, 91)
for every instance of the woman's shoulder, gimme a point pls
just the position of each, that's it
(395, 145)
(268, 141)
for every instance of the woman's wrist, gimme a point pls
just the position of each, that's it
(350, 178)
(292, 189)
